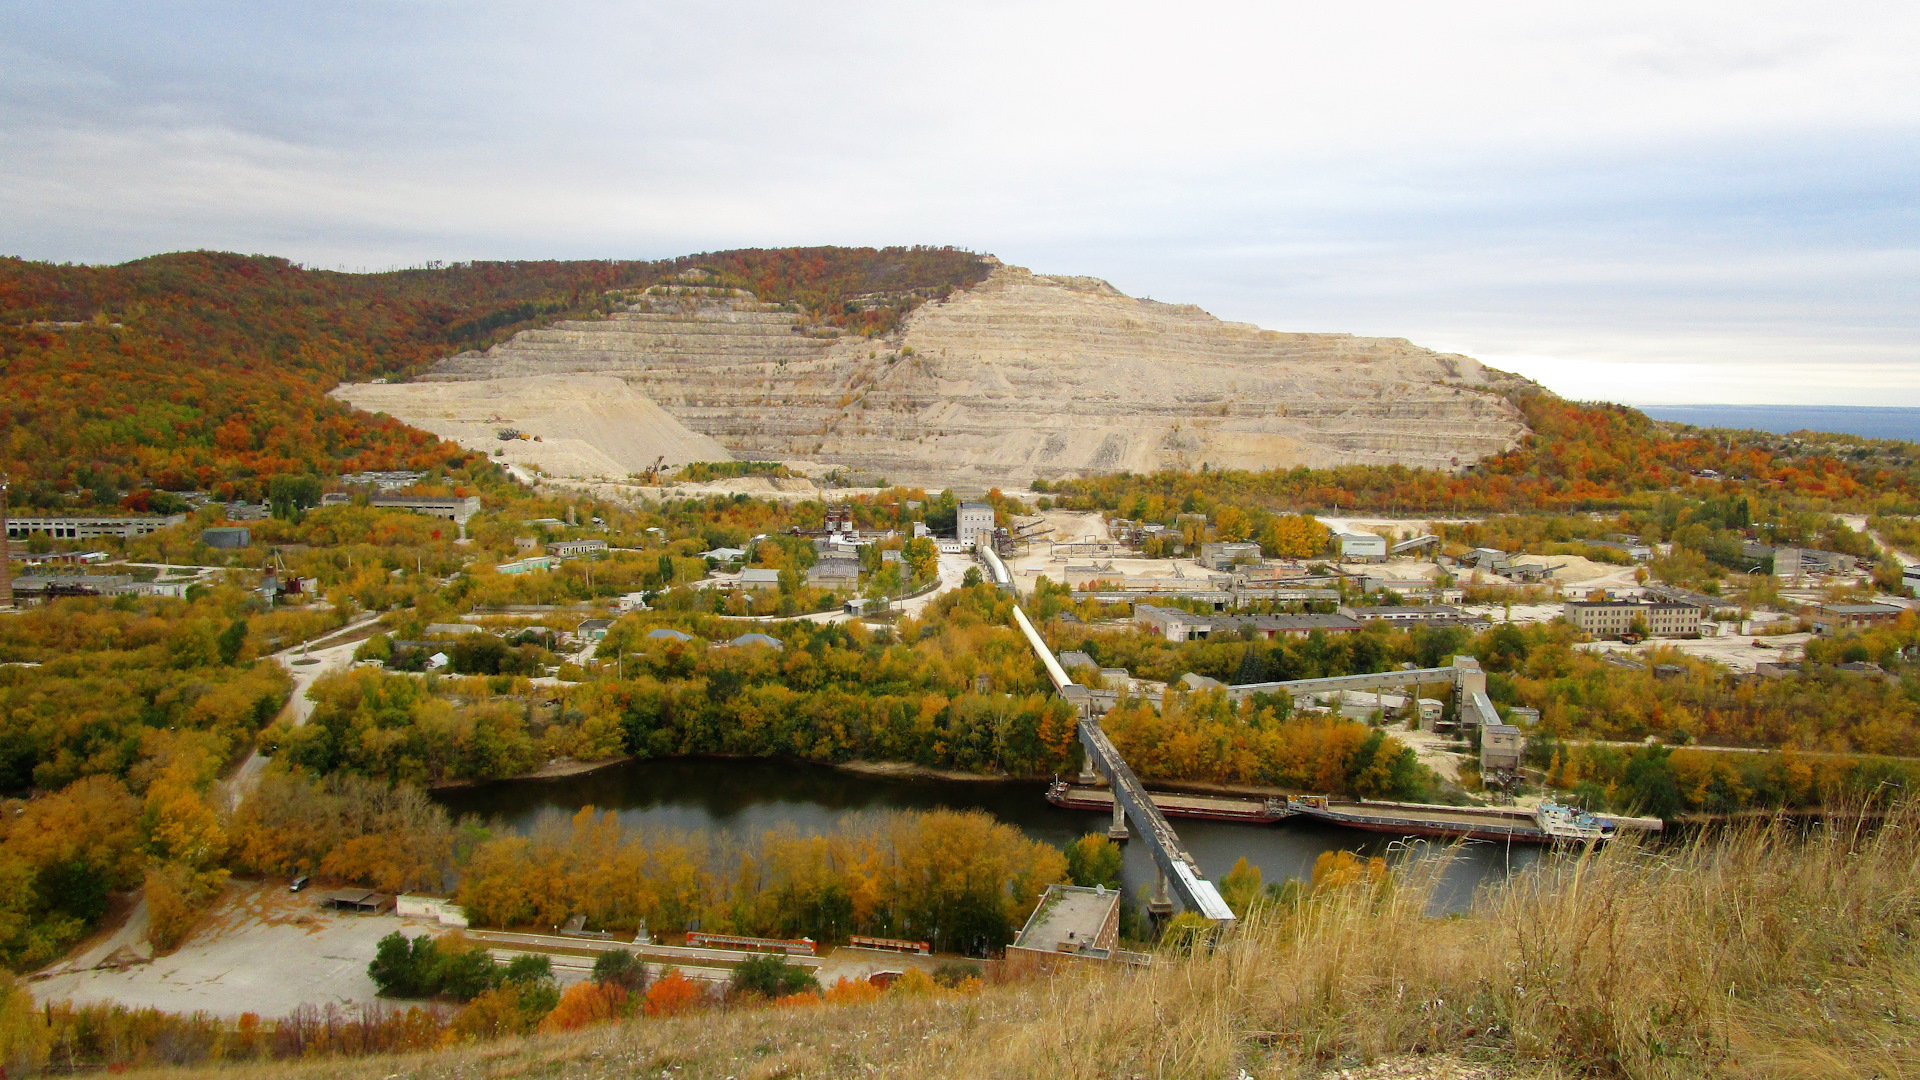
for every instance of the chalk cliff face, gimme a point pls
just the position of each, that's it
(1023, 377)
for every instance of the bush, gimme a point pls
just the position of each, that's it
(770, 977)
(673, 994)
(620, 968)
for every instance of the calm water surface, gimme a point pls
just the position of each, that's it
(744, 797)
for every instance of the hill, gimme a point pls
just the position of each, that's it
(1018, 378)
(204, 370)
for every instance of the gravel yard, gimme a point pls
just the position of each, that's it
(261, 950)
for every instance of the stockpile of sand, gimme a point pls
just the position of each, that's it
(590, 426)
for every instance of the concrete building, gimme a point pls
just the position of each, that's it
(41, 587)
(1075, 658)
(1709, 605)
(1223, 556)
(1910, 577)
(834, 573)
(1177, 625)
(1362, 547)
(1414, 615)
(1612, 618)
(227, 537)
(1071, 924)
(528, 565)
(974, 523)
(1501, 748)
(87, 528)
(1829, 619)
(440, 506)
(574, 549)
(759, 577)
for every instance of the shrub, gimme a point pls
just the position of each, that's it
(586, 1003)
(770, 977)
(672, 994)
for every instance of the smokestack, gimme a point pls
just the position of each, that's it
(6, 553)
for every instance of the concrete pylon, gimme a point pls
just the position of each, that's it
(1160, 905)
(1118, 830)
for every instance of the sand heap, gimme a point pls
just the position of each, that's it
(1023, 377)
(590, 427)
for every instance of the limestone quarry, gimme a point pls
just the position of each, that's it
(1021, 377)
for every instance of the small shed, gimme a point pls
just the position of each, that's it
(358, 901)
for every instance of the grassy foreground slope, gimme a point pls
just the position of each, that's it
(205, 370)
(1764, 951)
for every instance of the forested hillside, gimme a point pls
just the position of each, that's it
(1580, 456)
(204, 370)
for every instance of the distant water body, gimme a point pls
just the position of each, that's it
(1866, 421)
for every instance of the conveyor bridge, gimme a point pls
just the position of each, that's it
(1176, 868)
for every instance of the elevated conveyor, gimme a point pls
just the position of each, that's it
(1177, 867)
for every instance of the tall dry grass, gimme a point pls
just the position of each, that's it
(1771, 950)
(1766, 950)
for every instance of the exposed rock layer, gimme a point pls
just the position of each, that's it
(1024, 377)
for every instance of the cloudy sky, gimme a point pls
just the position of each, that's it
(1640, 202)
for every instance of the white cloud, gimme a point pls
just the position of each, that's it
(1712, 185)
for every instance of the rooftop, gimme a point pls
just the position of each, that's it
(1068, 915)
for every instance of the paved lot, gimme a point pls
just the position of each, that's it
(261, 950)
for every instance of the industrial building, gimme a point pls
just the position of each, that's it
(1177, 625)
(527, 565)
(440, 506)
(40, 587)
(1832, 619)
(227, 538)
(1072, 923)
(834, 573)
(974, 523)
(574, 549)
(1502, 747)
(1223, 556)
(87, 528)
(1415, 615)
(759, 577)
(1362, 547)
(1612, 618)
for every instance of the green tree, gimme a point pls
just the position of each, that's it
(618, 967)
(1094, 860)
(232, 640)
(405, 967)
(290, 496)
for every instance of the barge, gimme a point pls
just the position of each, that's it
(1549, 823)
(1245, 809)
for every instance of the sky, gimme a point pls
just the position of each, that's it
(1645, 203)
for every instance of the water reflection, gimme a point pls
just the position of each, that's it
(746, 796)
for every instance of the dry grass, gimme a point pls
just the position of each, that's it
(1765, 951)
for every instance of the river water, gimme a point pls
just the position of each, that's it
(745, 796)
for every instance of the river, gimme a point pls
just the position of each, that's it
(745, 796)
